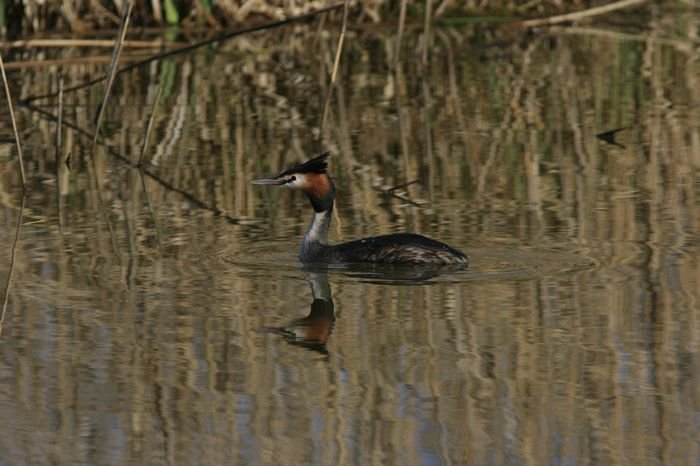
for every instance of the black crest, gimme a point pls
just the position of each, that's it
(315, 165)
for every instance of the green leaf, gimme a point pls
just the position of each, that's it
(172, 17)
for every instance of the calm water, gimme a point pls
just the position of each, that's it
(143, 328)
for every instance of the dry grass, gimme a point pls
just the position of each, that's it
(83, 16)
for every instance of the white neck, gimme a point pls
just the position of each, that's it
(318, 229)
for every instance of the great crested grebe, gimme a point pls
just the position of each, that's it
(400, 248)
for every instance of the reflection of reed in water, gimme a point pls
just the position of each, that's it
(312, 331)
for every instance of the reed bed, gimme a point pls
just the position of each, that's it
(85, 16)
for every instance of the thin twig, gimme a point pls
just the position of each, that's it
(5, 300)
(20, 159)
(194, 46)
(150, 125)
(334, 74)
(391, 192)
(400, 186)
(126, 14)
(600, 10)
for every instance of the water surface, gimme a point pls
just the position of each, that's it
(164, 318)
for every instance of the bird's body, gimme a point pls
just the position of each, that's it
(399, 248)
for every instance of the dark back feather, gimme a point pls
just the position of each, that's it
(396, 248)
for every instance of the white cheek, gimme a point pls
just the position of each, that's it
(298, 183)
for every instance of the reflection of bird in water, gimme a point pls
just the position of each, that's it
(400, 248)
(312, 331)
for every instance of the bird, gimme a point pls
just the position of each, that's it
(311, 178)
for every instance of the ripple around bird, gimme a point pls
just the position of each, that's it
(485, 263)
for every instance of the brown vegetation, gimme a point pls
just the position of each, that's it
(85, 16)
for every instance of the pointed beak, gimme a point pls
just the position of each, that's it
(270, 181)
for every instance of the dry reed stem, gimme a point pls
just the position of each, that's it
(194, 46)
(103, 208)
(402, 117)
(426, 31)
(151, 119)
(58, 152)
(13, 256)
(95, 59)
(97, 43)
(151, 210)
(440, 10)
(334, 74)
(399, 34)
(20, 159)
(126, 14)
(454, 91)
(127, 272)
(600, 10)
(679, 45)
(427, 117)
(157, 11)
